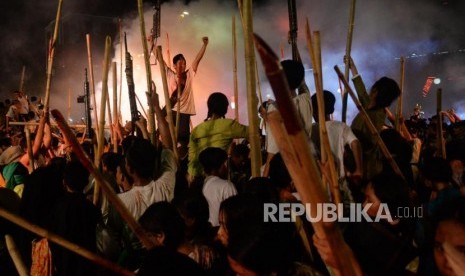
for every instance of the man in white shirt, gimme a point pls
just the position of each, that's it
(216, 188)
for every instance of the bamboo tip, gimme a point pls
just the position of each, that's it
(56, 114)
(263, 48)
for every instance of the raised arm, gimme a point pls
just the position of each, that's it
(200, 54)
(165, 134)
(359, 85)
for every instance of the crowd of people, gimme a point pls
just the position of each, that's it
(204, 212)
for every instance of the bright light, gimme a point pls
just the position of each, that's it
(339, 90)
(185, 13)
(233, 105)
(268, 96)
(437, 81)
(70, 120)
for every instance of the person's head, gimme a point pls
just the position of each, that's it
(261, 188)
(193, 208)
(16, 103)
(213, 161)
(140, 159)
(179, 63)
(239, 155)
(294, 71)
(329, 101)
(384, 92)
(436, 170)
(386, 188)
(110, 162)
(75, 176)
(164, 225)
(18, 94)
(449, 231)
(279, 175)
(217, 104)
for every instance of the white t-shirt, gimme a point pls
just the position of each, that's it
(187, 95)
(215, 191)
(139, 198)
(339, 135)
(303, 103)
(24, 105)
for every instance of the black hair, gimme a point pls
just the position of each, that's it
(141, 157)
(163, 218)
(76, 176)
(193, 205)
(122, 167)
(388, 90)
(262, 188)
(178, 57)
(294, 71)
(391, 189)
(212, 159)
(217, 104)
(437, 169)
(279, 175)
(329, 101)
(111, 160)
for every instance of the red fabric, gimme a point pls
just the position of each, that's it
(41, 259)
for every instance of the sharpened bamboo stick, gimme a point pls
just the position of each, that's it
(370, 125)
(115, 108)
(106, 188)
(21, 81)
(148, 70)
(236, 89)
(92, 83)
(120, 67)
(297, 156)
(254, 138)
(81, 251)
(51, 56)
(16, 256)
(348, 53)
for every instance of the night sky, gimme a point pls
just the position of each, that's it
(429, 33)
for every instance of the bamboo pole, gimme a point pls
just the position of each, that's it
(115, 107)
(92, 83)
(169, 114)
(36, 124)
(168, 53)
(296, 153)
(370, 125)
(148, 70)
(103, 101)
(51, 55)
(69, 103)
(348, 53)
(441, 147)
(106, 188)
(397, 122)
(21, 81)
(81, 251)
(327, 158)
(120, 68)
(141, 105)
(178, 112)
(29, 150)
(16, 256)
(254, 139)
(236, 89)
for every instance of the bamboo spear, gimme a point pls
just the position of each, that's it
(370, 125)
(29, 150)
(115, 107)
(141, 105)
(168, 53)
(51, 55)
(103, 101)
(441, 151)
(21, 82)
(92, 83)
(120, 68)
(348, 50)
(397, 122)
(69, 103)
(110, 119)
(16, 256)
(296, 153)
(327, 158)
(254, 139)
(91, 256)
(150, 118)
(106, 188)
(169, 114)
(236, 89)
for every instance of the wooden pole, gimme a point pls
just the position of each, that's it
(441, 147)
(168, 53)
(348, 53)
(103, 101)
(21, 81)
(236, 89)
(69, 103)
(169, 113)
(92, 83)
(29, 150)
(120, 68)
(148, 70)
(178, 113)
(81, 251)
(141, 105)
(51, 55)
(297, 156)
(16, 256)
(106, 188)
(254, 138)
(397, 122)
(115, 107)
(370, 124)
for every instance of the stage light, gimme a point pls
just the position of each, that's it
(437, 81)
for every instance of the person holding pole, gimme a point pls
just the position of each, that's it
(180, 81)
(383, 92)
